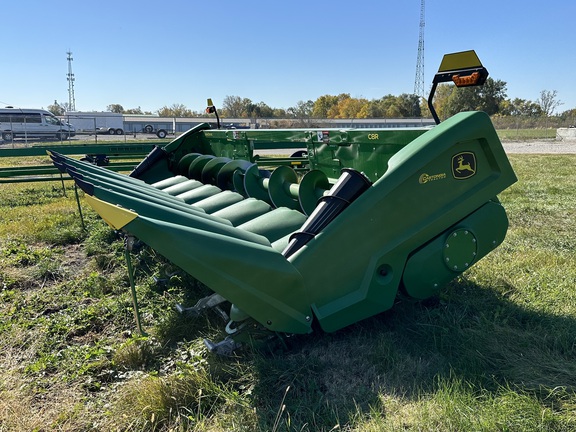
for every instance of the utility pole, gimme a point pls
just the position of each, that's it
(71, 100)
(419, 81)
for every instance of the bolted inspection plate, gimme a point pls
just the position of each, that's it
(460, 250)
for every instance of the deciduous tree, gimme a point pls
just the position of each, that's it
(175, 110)
(520, 107)
(235, 106)
(325, 103)
(302, 111)
(549, 101)
(408, 105)
(352, 108)
(115, 108)
(487, 98)
(133, 111)
(57, 108)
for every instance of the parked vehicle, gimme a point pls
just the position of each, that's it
(94, 122)
(32, 123)
(160, 133)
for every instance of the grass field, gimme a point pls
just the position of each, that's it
(496, 351)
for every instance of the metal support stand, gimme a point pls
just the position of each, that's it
(223, 348)
(79, 206)
(128, 244)
(227, 346)
(211, 301)
(63, 187)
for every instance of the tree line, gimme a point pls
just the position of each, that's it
(448, 100)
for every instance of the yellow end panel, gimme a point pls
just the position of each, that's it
(116, 217)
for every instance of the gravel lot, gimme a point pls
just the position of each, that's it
(511, 147)
(540, 147)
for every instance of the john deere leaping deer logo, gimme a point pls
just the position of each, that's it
(463, 165)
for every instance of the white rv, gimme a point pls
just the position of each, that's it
(32, 123)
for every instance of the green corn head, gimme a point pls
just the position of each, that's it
(329, 236)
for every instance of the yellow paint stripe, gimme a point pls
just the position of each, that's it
(115, 216)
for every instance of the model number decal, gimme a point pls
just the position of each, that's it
(373, 136)
(426, 178)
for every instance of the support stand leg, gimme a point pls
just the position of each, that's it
(63, 187)
(79, 206)
(128, 243)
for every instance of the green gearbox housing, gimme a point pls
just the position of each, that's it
(332, 234)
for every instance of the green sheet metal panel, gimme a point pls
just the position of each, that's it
(254, 276)
(353, 269)
(366, 150)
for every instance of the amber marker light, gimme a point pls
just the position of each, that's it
(463, 81)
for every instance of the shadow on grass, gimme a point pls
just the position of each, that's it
(471, 334)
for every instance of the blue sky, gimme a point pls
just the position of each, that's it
(156, 53)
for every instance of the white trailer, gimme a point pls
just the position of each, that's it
(96, 122)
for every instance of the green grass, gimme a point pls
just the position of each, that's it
(494, 352)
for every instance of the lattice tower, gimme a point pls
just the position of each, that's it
(419, 81)
(71, 99)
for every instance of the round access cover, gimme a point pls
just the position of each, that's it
(460, 250)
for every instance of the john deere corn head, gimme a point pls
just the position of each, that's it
(365, 214)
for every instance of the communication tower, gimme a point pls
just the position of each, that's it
(71, 100)
(419, 81)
